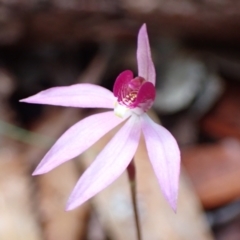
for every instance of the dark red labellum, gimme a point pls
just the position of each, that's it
(134, 92)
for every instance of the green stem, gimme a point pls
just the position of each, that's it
(132, 180)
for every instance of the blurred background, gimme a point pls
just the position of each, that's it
(196, 51)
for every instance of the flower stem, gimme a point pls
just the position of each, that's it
(132, 179)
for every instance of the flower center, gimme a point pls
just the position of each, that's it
(129, 92)
(134, 95)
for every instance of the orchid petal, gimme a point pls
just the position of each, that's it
(145, 65)
(146, 96)
(109, 164)
(77, 139)
(78, 95)
(164, 155)
(122, 79)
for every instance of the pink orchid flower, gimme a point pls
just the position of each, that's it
(131, 98)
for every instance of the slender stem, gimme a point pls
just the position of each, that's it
(23, 135)
(132, 180)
